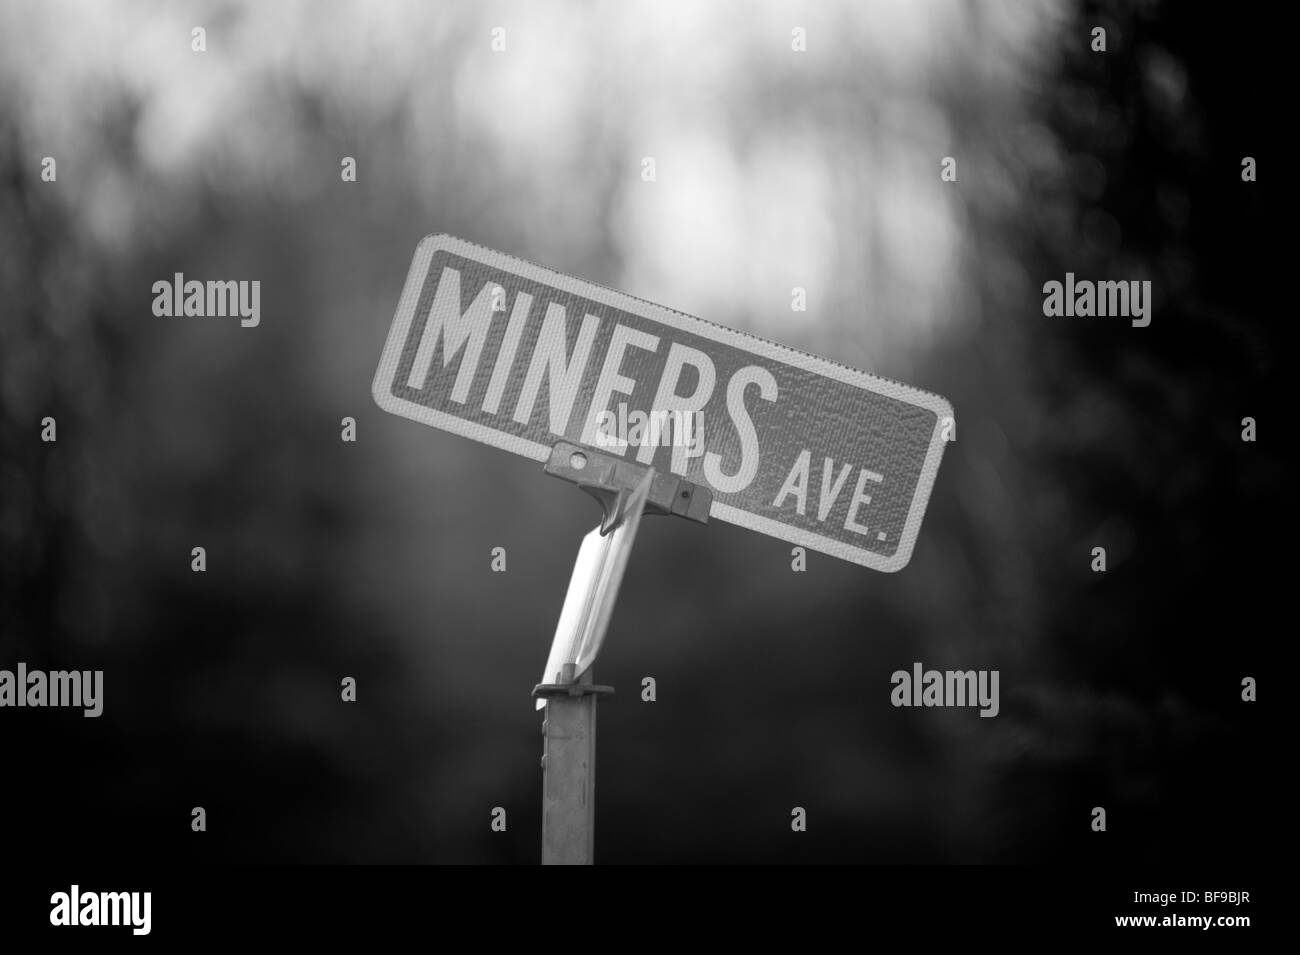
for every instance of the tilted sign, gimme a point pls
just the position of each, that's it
(798, 447)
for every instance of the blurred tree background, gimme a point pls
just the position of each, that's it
(775, 169)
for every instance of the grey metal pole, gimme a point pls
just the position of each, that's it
(569, 726)
(569, 774)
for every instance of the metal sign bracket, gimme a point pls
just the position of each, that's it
(610, 479)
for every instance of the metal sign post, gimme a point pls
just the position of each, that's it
(625, 491)
(569, 769)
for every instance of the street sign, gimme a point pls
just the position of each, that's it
(798, 447)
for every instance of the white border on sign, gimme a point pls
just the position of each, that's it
(381, 390)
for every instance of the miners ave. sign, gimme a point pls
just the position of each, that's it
(798, 447)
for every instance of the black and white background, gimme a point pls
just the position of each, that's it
(775, 168)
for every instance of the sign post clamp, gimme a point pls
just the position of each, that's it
(610, 480)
